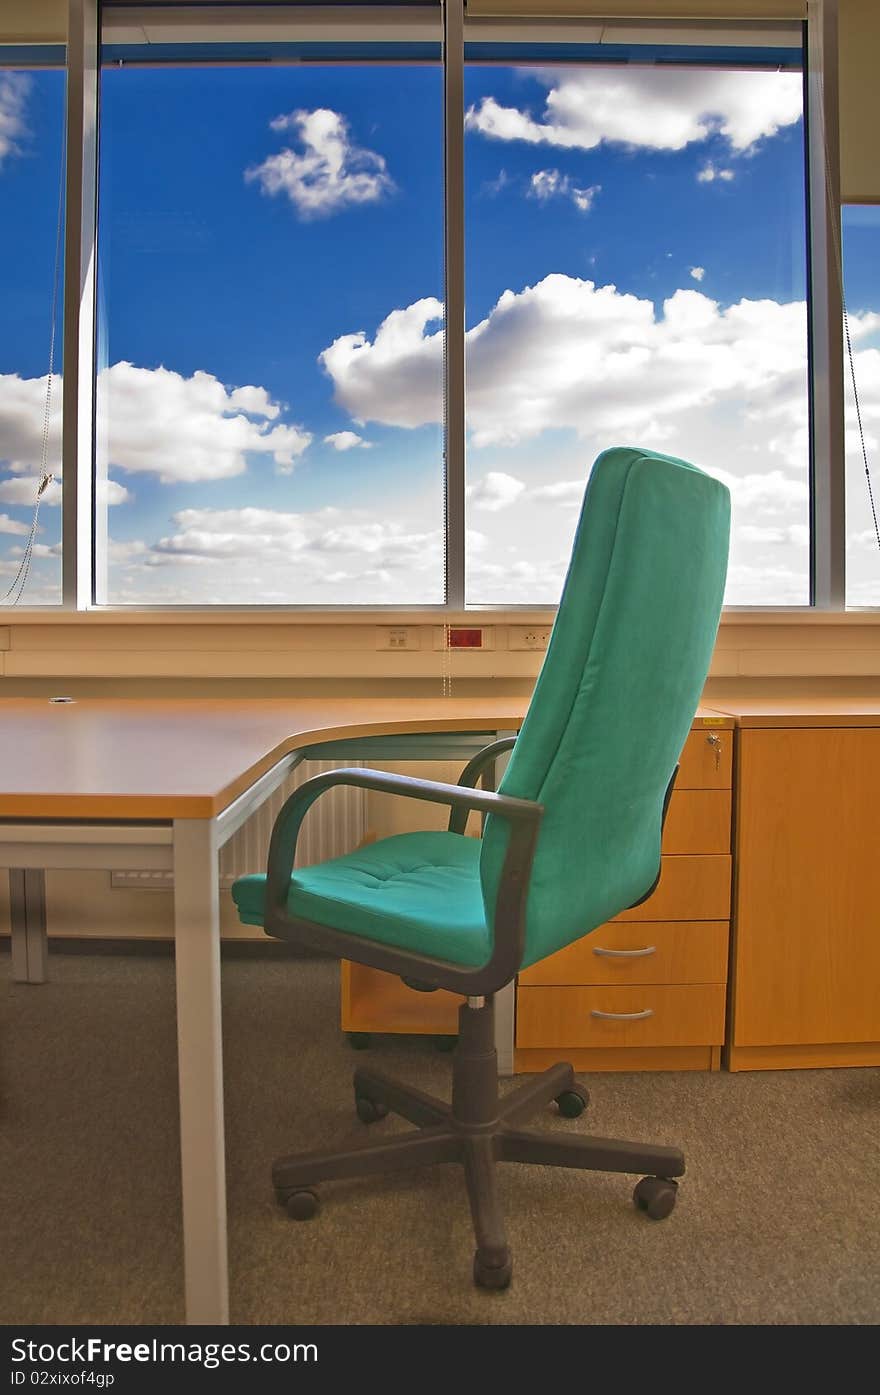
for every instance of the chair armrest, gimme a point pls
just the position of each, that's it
(471, 774)
(282, 847)
(523, 815)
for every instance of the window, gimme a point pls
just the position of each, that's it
(31, 154)
(636, 262)
(861, 373)
(270, 249)
(273, 372)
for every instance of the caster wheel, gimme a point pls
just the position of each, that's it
(368, 1111)
(573, 1102)
(656, 1196)
(301, 1205)
(360, 1041)
(446, 1043)
(493, 1275)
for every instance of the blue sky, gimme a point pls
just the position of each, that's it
(270, 256)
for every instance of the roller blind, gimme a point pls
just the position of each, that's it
(33, 21)
(642, 9)
(859, 42)
(135, 32)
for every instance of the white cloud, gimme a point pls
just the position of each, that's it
(222, 533)
(158, 422)
(254, 402)
(40, 551)
(792, 534)
(566, 493)
(273, 556)
(11, 525)
(121, 552)
(764, 492)
(566, 353)
(329, 173)
(560, 370)
(538, 582)
(14, 89)
(22, 409)
(864, 541)
(111, 492)
(346, 440)
(22, 490)
(398, 378)
(496, 490)
(652, 108)
(709, 173)
(495, 186)
(151, 420)
(698, 272)
(777, 582)
(548, 184)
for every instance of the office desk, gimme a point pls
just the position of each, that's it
(118, 783)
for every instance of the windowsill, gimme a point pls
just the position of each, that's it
(426, 615)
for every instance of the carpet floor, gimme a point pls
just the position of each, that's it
(777, 1220)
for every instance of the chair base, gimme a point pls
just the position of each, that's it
(478, 1130)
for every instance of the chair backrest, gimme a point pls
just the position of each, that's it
(616, 696)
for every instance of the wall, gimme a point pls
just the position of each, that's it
(271, 653)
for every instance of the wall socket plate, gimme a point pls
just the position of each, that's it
(399, 637)
(528, 636)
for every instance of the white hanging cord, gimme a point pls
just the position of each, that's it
(16, 589)
(855, 388)
(837, 248)
(446, 662)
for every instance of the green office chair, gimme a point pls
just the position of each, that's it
(571, 838)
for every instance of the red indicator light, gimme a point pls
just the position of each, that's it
(465, 639)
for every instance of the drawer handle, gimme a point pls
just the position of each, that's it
(622, 1016)
(624, 953)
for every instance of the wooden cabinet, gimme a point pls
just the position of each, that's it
(806, 964)
(647, 990)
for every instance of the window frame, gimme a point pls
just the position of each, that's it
(827, 459)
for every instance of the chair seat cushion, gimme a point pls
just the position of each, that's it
(418, 891)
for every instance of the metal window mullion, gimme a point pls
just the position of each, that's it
(454, 355)
(79, 303)
(828, 492)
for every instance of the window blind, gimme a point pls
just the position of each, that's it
(859, 40)
(641, 9)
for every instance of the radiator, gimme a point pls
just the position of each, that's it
(335, 824)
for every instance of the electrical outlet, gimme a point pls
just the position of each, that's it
(398, 637)
(528, 636)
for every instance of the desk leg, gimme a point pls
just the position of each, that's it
(27, 913)
(505, 999)
(200, 1069)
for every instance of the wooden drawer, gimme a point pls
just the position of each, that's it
(684, 951)
(697, 821)
(681, 1015)
(706, 760)
(691, 888)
